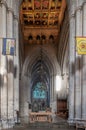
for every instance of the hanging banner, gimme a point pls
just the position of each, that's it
(8, 46)
(81, 45)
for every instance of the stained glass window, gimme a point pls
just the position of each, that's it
(39, 91)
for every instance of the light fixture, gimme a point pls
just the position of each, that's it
(58, 83)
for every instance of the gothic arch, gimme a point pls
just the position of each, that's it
(53, 68)
(51, 61)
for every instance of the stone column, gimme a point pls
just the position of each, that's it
(55, 93)
(29, 93)
(24, 100)
(51, 90)
(16, 69)
(21, 96)
(10, 70)
(71, 67)
(84, 68)
(78, 67)
(0, 61)
(3, 67)
(54, 101)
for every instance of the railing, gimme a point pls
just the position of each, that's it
(81, 124)
(40, 117)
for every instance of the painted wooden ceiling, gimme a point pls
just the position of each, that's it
(42, 14)
(38, 13)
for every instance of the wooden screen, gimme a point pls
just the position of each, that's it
(62, 108)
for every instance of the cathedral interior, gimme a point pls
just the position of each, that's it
(40, 24)
(42, 76)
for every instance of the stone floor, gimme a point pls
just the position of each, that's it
(41, 128)
(59, 124)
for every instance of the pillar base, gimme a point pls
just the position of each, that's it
(11, 123)
(83, 116)
(71, 121)
(4, 124)
(54, 110)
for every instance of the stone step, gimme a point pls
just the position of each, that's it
(44, 126)
(49, 125)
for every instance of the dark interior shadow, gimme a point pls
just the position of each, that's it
(10, 66)
(15, 71)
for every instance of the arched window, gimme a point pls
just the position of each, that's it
(51, 37)
(30, 37)
(38, 37)
(43, 37)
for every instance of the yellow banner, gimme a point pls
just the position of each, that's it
(81, 45)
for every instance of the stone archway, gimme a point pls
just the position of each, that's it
(30, 76)
(76, 83)
(77, 89)
(26, 70)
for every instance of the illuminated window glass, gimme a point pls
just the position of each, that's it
(39, 91)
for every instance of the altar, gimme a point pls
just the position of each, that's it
(40, 117)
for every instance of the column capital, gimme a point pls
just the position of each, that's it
(51, 74)
(15, 17)
(72, 16)
(79, 8)
(10, 10)
(3, 2)
(83, 3)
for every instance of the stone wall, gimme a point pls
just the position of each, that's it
(9, 83)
